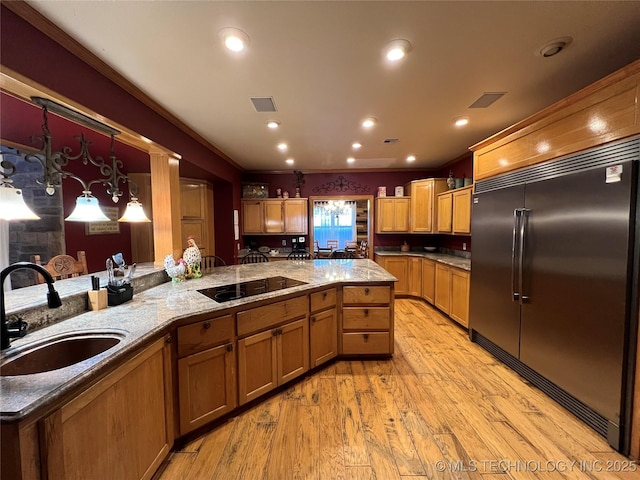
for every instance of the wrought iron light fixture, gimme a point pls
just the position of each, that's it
(53, 163)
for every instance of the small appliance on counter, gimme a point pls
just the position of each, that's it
(298, 243)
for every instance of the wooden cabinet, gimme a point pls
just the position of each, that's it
(423, 213)
(459, 308)
(206, 371)
(118, 428)
(275, 216)
(367, 320)
(392, 214)
(275, 348)
(415, 276)
(196, 206)
(323, 328)
(454, 211)
(398, 266)
(428, 280)
(452, 292)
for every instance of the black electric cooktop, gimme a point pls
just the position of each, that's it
(234, 291)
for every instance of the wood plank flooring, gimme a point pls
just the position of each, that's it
(441, 408)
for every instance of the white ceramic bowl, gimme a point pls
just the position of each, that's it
(431, 249)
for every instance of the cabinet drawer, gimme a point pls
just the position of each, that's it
(202, 335)
(365, 343)
(322, 300)
(373, 318)
(261, 318)
(366, 294)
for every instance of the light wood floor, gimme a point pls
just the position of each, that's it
(441, 408)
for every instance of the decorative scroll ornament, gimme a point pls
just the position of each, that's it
(342, 185)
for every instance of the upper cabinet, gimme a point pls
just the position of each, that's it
(423, 213)
(454, 211)
(392, 214)
(275, 216)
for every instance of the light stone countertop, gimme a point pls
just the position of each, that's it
(152, 313)
(452, 260)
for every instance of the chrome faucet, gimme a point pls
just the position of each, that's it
(19, 329)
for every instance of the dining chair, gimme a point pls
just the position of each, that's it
(351, 245)
(254, 257)
(63, 266)
(300, 255)
(332, 244)
(342, 254)
(209, 262)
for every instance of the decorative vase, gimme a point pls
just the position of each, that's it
(451, 182)
(297, 192)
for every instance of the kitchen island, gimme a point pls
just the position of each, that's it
(200, 359)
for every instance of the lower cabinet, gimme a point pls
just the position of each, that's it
(117, 428)
(323, 330)
(428, 280)
(367, 320)
(443, 287)
(271, 358)
(398, 266)
(452, 292)
(415, 276)
(206, 371)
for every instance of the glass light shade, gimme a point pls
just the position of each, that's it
(87, 210)
(12, 206)
(134, 213)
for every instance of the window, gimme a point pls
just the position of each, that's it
(334, 220)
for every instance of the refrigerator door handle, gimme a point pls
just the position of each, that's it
(524, 213)
(516, 218)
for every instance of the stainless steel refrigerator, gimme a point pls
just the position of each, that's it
(554, 279)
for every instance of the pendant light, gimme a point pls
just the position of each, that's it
(12, 205)
(134, 212)
(87, 210)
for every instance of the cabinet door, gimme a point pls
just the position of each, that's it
(257, 365)
(422, 200)
(385, 215)
(296, 216)
(398, 267)
(445, 211)
(273, 216)
(252, 217)
(206, 383)
(462, 211)
(415, 276)
(460, 296)
(192, 199)
(293, 350)
(196, 229)
(401, 215)
(323, 336)
(118, 428)
(428, 280)
(443, 289)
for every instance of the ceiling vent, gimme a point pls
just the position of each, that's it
(487, 99)
(263, 104)
(391, 140)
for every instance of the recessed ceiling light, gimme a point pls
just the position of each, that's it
(273, 124)
(554, 47)
(234, 39)
(356, 145)
(351, 160)
(282, 147)
(461, 121)
(369, 122)
(411, 158)
(396, 49)
(289, 161)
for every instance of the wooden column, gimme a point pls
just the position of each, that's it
(165, 195)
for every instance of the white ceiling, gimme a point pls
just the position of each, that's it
(322, 63)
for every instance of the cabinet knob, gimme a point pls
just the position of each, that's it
(366, 312)
(230, 347)
(366, 291)
(313, 319)
(324, 295)
(206, 325)
(168, 339)
(274, 332)
(366, 337)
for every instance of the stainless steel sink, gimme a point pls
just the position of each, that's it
(58, 352)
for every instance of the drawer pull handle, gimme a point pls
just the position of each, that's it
(366, 312)
(324, 295)
(168, 339)
(313, 319)
(230, 348)
(366, 337)
(366, 291)
(206, 325)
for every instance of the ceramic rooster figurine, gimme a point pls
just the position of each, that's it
(175, 270)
